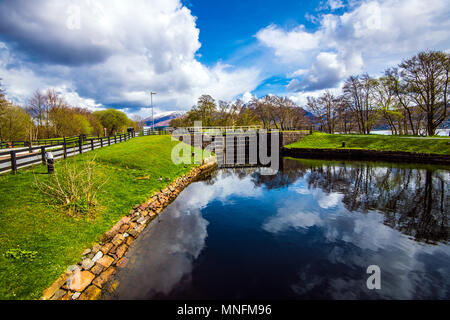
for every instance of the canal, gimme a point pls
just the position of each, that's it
(308, 232)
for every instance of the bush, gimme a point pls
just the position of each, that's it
(74, 187)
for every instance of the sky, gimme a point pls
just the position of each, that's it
(112, 53)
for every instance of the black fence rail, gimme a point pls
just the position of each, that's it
(13, 160)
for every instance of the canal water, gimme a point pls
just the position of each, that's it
(309, 232)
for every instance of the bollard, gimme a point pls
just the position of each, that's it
(50, 162)
(343, 144)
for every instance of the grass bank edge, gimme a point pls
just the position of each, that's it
(319, 140)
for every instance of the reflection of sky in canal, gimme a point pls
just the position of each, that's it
(406, 262)
(229, 237)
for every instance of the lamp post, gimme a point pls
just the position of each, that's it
(153, 119)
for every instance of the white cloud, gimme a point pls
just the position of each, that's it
(372, 34)
(120, 51)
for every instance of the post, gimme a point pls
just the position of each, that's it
(13, 162)
(43, 154)
(101, 142)
(120, 137)
(115, 139)
(109, 141)
(81, 145)
(64, 148)
(92, 144)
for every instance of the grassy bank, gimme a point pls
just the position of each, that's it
(28, 222)
(374, 142)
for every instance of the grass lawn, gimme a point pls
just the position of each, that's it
(374, 142)
(29, 222)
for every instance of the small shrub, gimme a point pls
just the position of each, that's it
(74, 187)
(19, 254)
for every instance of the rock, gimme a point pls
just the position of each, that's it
(129, 241)
(118, 239)
(59, 294)
(107, 247)
(71, 269)
(126, 235)
(67, 296)
(106, 261)
(96, 249)
(76, 295)
(97, 256)
(122, 262)
(97, 269)
(91, 293)
(109, 235)
(141, 220)
(87, 264)
(86, 252)
(143, 206)
(50, 291)
(111, 287)
(80, 280)
(121, 250)
(126, 220)
(133, 233)
(144, 213)
(104, 277)
(124, 228)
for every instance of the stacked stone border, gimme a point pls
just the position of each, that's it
(95, 273)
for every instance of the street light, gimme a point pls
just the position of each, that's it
(153, 119)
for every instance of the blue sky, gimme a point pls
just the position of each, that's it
(111, 53)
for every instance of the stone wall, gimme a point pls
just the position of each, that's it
(356, 154)
(95, 272)
(289, 137)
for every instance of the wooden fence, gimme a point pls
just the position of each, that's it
(19, 158)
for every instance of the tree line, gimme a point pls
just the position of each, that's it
(411, 98)
(47, 115)
(271, 112)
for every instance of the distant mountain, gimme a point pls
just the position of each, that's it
(163, 119)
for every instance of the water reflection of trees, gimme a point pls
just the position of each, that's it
(413, 201)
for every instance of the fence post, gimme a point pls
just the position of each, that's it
(13, 162)
(101, 142)
(115, 139)
(81, 145)
(43, 154)
(92, 144)
(65, 148)
(120, 136)
(109, 141)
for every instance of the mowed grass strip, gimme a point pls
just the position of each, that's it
(319, 140)
(132, 171)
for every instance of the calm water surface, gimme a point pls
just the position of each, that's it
(309, 232)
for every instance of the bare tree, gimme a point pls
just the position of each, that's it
(359, 92)
(427, 79)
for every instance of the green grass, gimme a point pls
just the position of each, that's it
(374, 142)
(28, 222)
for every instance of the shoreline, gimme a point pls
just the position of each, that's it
(94, 273)
(364, 154)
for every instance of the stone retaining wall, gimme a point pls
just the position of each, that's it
(94, 274)
(357, 154)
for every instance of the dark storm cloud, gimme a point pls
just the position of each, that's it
(26, 27)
